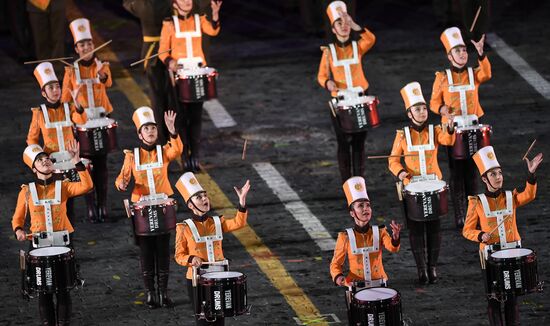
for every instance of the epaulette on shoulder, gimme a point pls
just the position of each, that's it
(437, 73)
(36, 108)
(473, 197)
(324, 48)
(128, 151)
(400, 131)
(180, 223)
(24, 186)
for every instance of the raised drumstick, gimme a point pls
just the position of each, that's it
(46, 60)
(243, 156)
(529, 150)
(149, 57)
(388, 156)
(475, 19)
(499, 224)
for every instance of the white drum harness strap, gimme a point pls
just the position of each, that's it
(500, 215)
(421, 149)
(192, 61)
(92, 111)
(148, 167)
(53, 238)
(346, 63)
(365, 251)
(462, 89)
(58, 125)
(208, 239)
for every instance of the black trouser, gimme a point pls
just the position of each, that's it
(468, 10)
(425, 238)
(100, 176)
(190, 127)
(200, 322)
(155, 260)
(48, 30)
(463, 183)
(350, 152)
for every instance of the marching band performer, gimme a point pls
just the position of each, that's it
(341, 70)
(193, 248)
(181, 34)
(422, 138)
(53, 120)
(455, 92)
(45, 201)
(153, 248)
(86, 83)
(364, 239)
(491, 221)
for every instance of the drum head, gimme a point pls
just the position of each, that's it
(63, 166)
(155, 202)
(219, 275)
(425, 186)
(96, 123)
(49, 251)
(511, 253)
(375, 294)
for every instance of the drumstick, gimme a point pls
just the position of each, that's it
(65, 63)
(244, 149)
(388, 156)
(149, 57)
(46, 60)
(475, 19)
(94, 50)
(214, 263)
(499, 224)
(399, 187)
(529, 150)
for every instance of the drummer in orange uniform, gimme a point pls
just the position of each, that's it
(362, 272)
(77, 89)
(341, 69)
(53, 120)
(192, 245)
(181, 34)
(479, 222)
(422, 139)
(455, 92)
(153, 248)
(29, 201)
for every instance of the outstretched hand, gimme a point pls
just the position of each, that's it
(479, 45)
(395, 229)
(73, 147)
(241, 193)
(170, 121)
(215, 5)
(533, 164)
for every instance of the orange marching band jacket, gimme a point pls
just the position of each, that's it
(364, 254)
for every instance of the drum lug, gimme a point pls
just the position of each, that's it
(540, 287)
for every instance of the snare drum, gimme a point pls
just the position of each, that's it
(153, 217)
(512, 272)
(470, 139)
(376, 306)
(357, 114)
(97, 136)
(197, 85)
(426, 200)
(222, 294)
(51, 269)
(68, 171)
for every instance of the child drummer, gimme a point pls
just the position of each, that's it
(181, 34)
(50, 217)
(153, 248)
(455, 93)
(53, 120)
(491, 220)
(193, 249)
(363, 272)
(422, 139)
(90, 76)
(341, 69)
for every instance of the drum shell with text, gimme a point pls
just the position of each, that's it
(426, 200)
(378, 306)
(358, 117)
(470, 139)
(223, 294)
(512, 272)
(97, 137)
(154, 217)
(51, 269)
(197, 86)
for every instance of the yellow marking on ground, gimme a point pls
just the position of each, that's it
(270, 265)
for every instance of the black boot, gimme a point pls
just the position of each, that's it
(416, 237)
(101, 188)
(64, 308)
(46, 309)
(494, 312)
(423, 276)
(358, 163)
(511, 311)
(433, 239)
(150, 300)
(91, 208)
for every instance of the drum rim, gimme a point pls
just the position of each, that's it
(530, 252)
(221, 278)
(169, 202)
(64, 249)
(437, 191)
(83, 127)
(396, 293)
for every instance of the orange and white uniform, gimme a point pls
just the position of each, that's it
(53, 121)
(202, 236)
(149, 164)
(486, 211)
(183, 36)
(458, 88)
(44, 198)
(84, 74)
(358, 246)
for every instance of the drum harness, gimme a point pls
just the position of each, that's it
(58, 125)
(92, 111)
(461, 89)
(208, 239)
(365, 253)
(148, 167)
(188, 36)
(421, 149)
